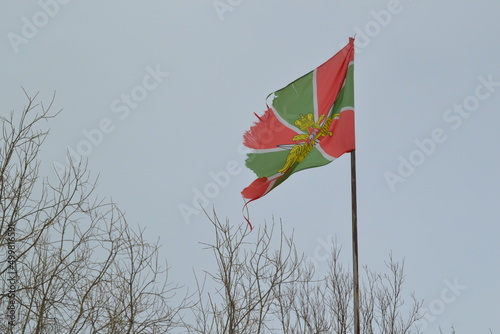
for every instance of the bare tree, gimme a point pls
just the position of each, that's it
(264, 286)
(247, 278)
(70, 262)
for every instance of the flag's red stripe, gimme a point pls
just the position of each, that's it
(268, 132)
(330, 77)
(343, 139)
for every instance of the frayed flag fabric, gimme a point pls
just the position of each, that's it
(309, 123)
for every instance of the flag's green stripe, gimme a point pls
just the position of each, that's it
(295, 99)
(313, 159)
(346, 94)
(266, 164)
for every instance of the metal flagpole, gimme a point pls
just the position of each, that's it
(355, 243)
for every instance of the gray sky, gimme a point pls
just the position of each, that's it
(157, 96)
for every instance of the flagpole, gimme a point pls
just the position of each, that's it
(355, 243)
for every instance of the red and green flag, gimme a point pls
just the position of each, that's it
(309, 123)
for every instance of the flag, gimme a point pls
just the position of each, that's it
(309, 123)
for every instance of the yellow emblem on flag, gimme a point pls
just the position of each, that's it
(315, 131)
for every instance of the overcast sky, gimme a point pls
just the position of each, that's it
(157, 95)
